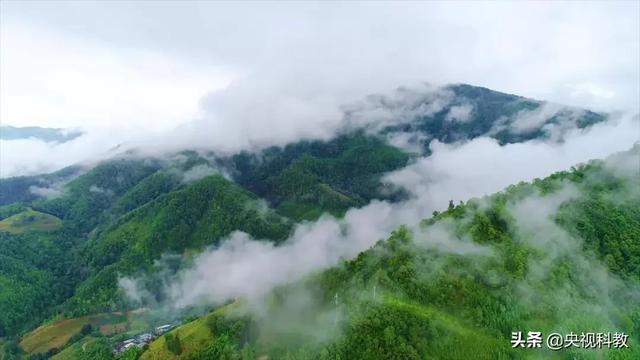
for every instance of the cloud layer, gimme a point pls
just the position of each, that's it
(246, 74)
(247, 268)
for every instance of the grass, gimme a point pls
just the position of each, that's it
(70, 352)
(57, 333)
(30, 220)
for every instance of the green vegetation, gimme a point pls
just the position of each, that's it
(17, 190)
(527, 259)
(119, 217)
(54, 335)
(87, 198)
(36, 272)
(61, 333)
(404, 298)
(30, 220)
(491, 114)
(70, 352)
(61, 257)
(190, 218)
(306, 179)
(189, 338)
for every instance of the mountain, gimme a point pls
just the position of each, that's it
(25, 189)
(68, 238)
(120, 216)
(38, 133)
(556, 255)
(462, 112)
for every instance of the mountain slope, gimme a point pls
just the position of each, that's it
(123, 214)
(183, 220)
(462, 112)
(527, 259)
(306, 179)
(137, 214)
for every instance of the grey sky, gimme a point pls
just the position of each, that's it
(125, 71)
(582, 53)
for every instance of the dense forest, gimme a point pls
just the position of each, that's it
(125, 213)
(68, 238)
(556, 255)
(559, 254)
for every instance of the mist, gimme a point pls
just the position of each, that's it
(240, 76)
(242, 267)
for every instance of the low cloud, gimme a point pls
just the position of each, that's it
(481, 166)
(31, 156)
(198, 172)
(528, 120)
(47, 192)
(285, 77)
(248, 268)
(592, 289)
(406, 104)
(134, 290)
(441, 236)
(460, 113)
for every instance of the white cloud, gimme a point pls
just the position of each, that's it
(243, 267)
(30, 156)
(50, 192)
(460, 113)
(143, 68)
(198, 172)
(527, 120)
(481, 166)
(56, 79)
(402, 106)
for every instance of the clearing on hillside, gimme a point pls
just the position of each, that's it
(30, 220)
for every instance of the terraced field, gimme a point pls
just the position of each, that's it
(56, 334)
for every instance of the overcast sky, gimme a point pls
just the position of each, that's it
(138, 68)
(78, 63)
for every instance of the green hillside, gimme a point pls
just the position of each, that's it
(559, 254)
(30, 220)
(306, 179)
(120, 216)
(519, 271)
(186, 219)
(68, 238)
(491, 113)
(184, 341)
(58, 333)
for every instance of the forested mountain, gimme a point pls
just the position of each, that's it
(462, 112)
(123, 214)
(24, 189)
(68, 238)
(556, 255)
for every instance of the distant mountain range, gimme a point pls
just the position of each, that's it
(39, 133)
